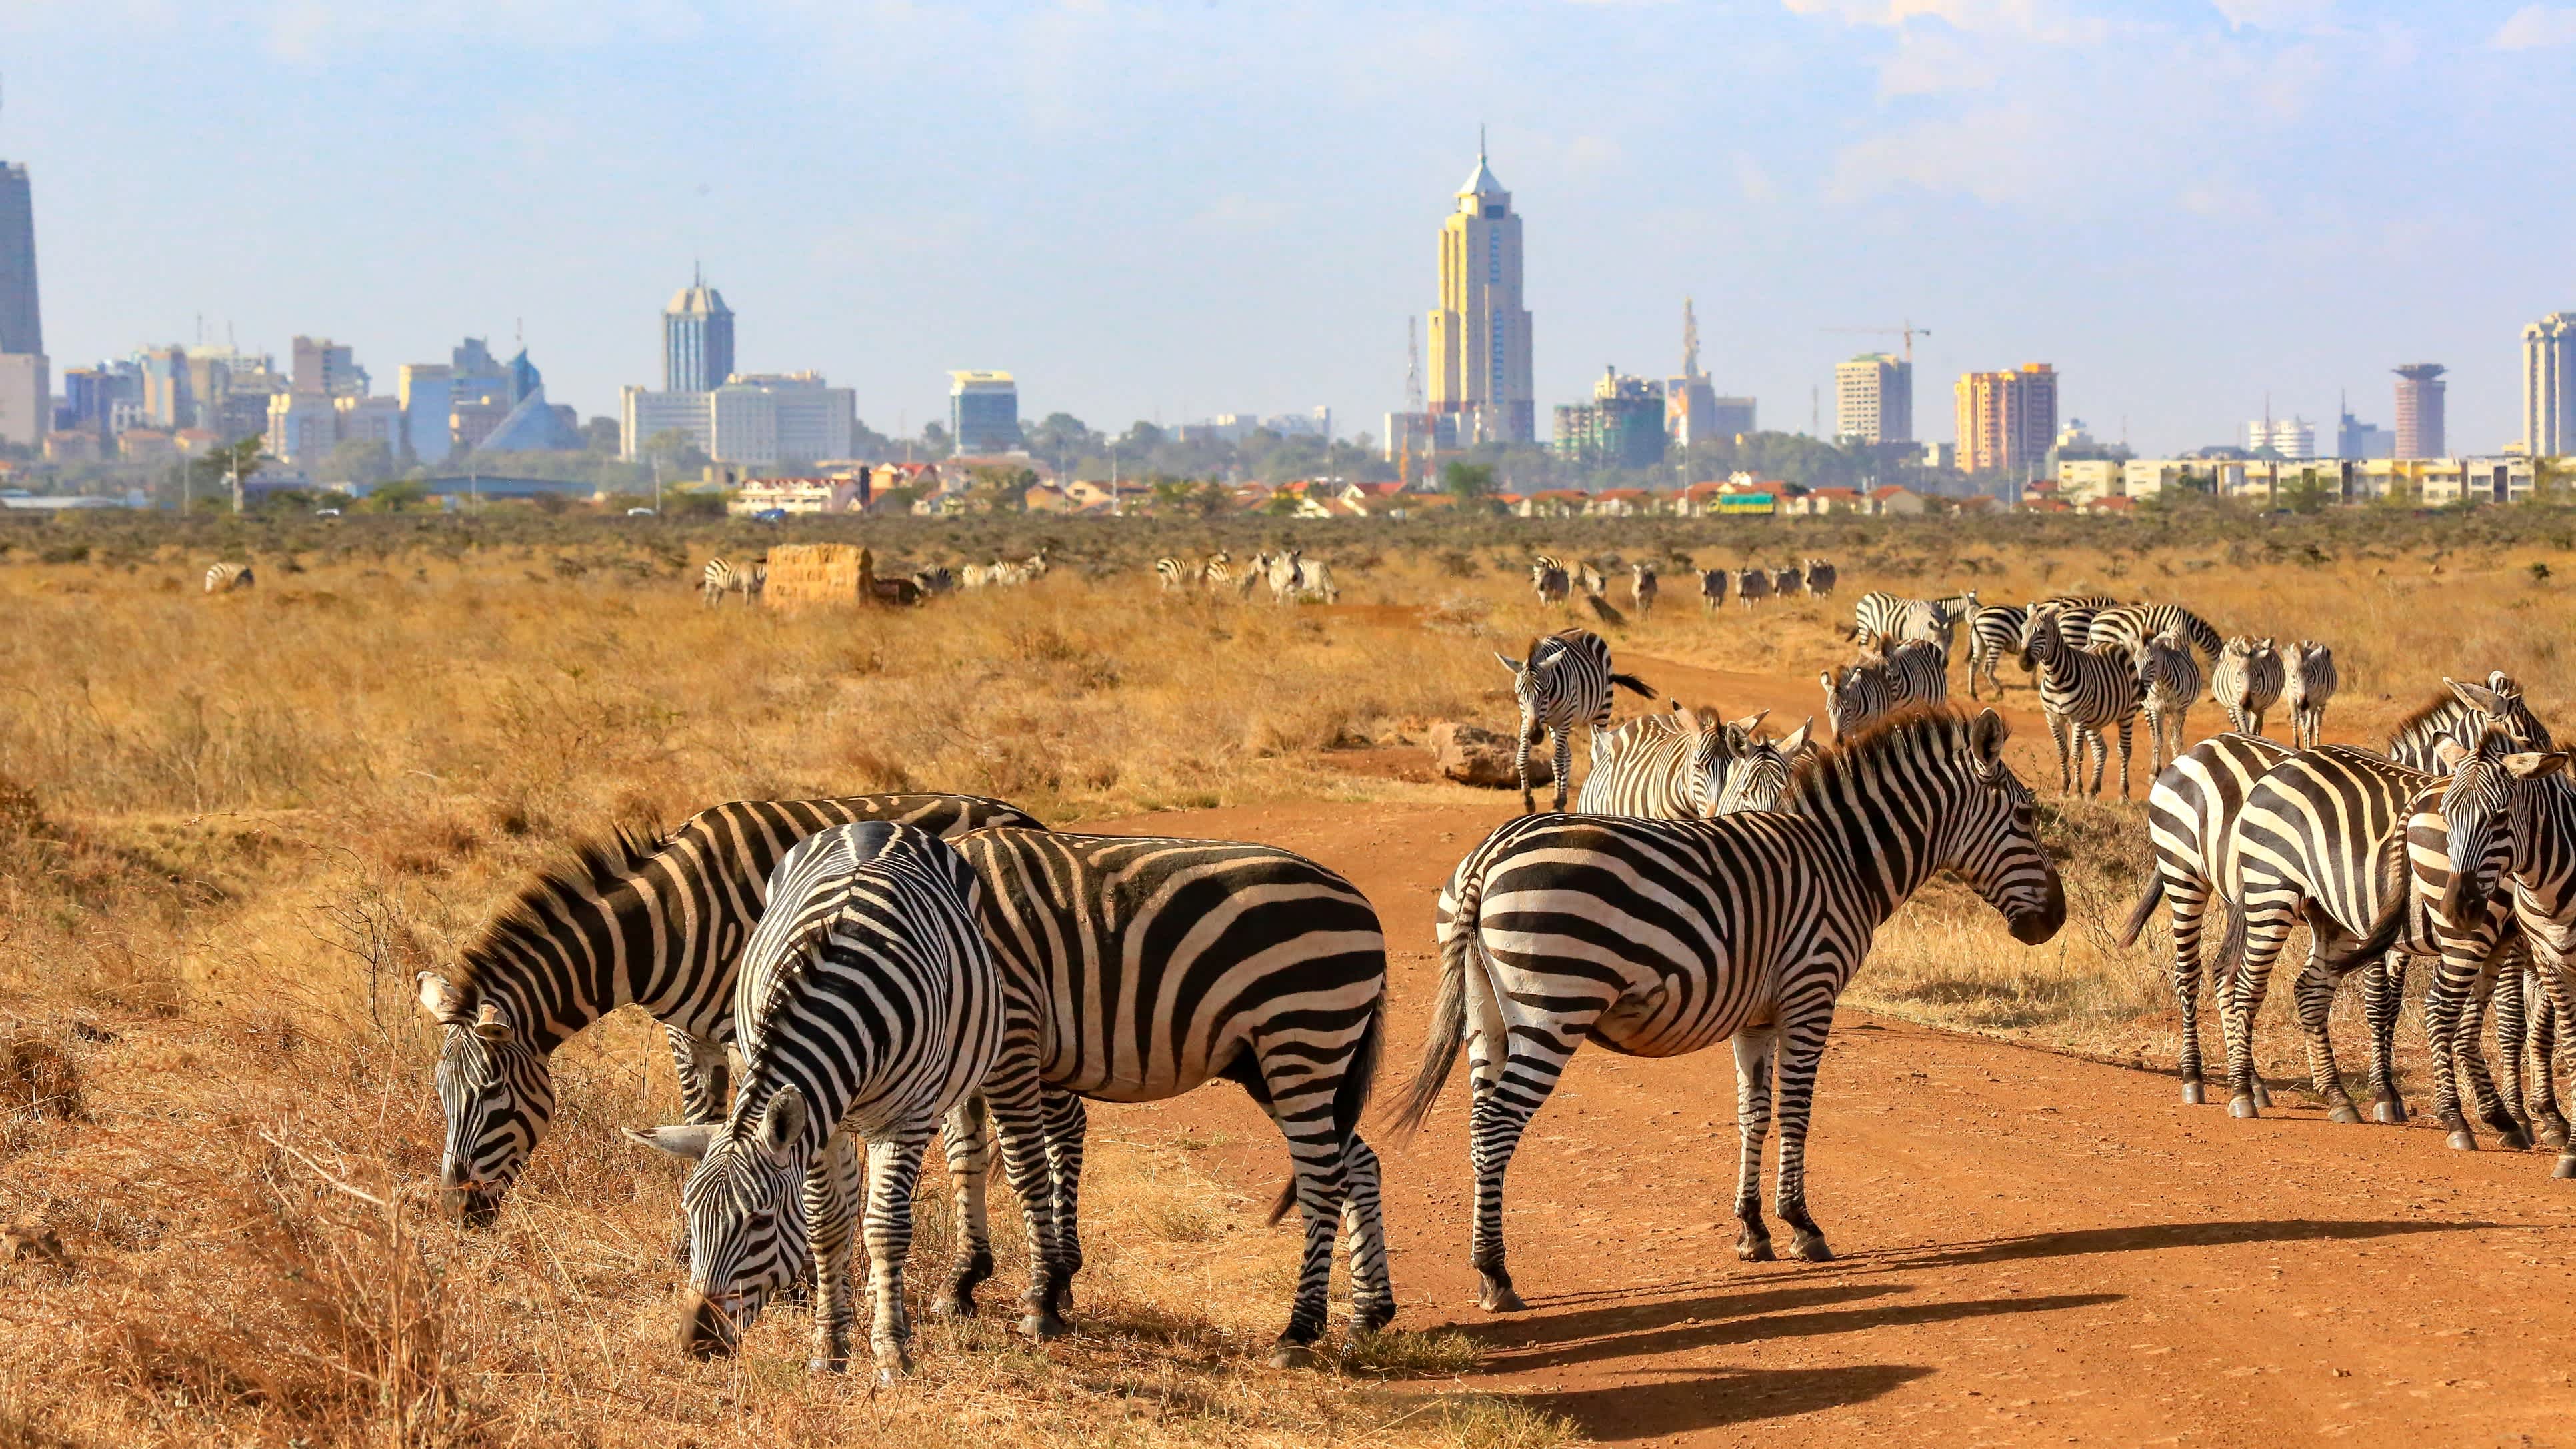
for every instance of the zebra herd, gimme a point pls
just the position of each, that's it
(1555, 582)
(1292, 577)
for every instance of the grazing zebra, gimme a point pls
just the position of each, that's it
(1218, 572)
(1752, 586)
(1995, 633)
(656, 923)
(1859, 695)
(1919, 670)
(1901, 619)
(724, 576)
(2308, 681)
(2130, 626)
(223, 578)
(1177, 575)
(1661, 937)
(1712, 590)
(1665, 767)
(2191, 812)
(1820, 578)
(1642, 589)
(2168, 681)
(1789, 583)
(1138, 969)
(933, 581)
(2081, 691)
(1315, 581)
(1590, 579)
(1285, 576)
(1550, 579)
(2461, 718)
(974, 576)
(1563, 682)
(868, 1007)
(2246, 682)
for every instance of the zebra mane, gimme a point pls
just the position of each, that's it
(2440, 706)
(594, 868)
(1911, 727)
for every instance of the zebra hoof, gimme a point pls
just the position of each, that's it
(945, 1306)
(1494, 1294)
(1809, 1247)
(821, 1365)
(1295, 1356)
(2193, 1094)
(2344, 1112)
(2262, 1095)
(1043, 1324)
(2514, 1140)
(2566, 1165)
(2462, 1140)
(1754, 1250)
(2551, 1134)
(2243, 1107)
(893, 1366)
(2388, 1110)
(1369, 1318)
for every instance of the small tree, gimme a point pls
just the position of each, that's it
(1469, 483)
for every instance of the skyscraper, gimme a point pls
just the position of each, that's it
(1874, 399)
(2549, 386)
(1622, 427)
(697, 340)
(983, 412)
(2007, 420)
(1690, 403)
(427, 393)
(22, 328)
(2291, 437)
(2419, 410)
(1480, 335)
(328, 368)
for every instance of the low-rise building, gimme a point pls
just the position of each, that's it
(1895, 501)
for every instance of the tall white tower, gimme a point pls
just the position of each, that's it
(1480, 334)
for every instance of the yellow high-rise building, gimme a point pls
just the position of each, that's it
(2007, 420)
(1480, 335)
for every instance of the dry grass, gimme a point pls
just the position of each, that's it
(231, 828)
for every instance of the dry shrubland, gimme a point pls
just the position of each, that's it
(232, 827)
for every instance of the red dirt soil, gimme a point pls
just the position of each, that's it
(2035, 1248)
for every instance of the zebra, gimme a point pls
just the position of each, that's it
(1901, 619)
(1255, 574)
(1564, 681)
(2131, 625)
(1177, 575)
(2168, 681)
(975, 576)
(1919, 669)
(1661, 937)
(1218, 572)
(1995, 633)
(1862, 693)
(1789, 583)
(2246, 682)
(934, 581)
(1591, 581)
(869, 1006)
(2191, 810)
(2308, 681)
(652, 922)
(1315, 581)
(2461, 718)
(1642, 588)
(1550, 579)
(2075, 614)
(1761, 775)
(2081, 691)
(1138, 969)
(1752, 586)
(724, 576)
(1820, 578)
(223, 578)
(1712, 590)
(1285, 577)
(1665, 767)
(2543, 902)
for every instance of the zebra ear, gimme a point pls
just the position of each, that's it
(491, 1025)
(688, 1141)
(1795, 740)
(782, 1122)
(2531, 766)
(2447, 755)
(440, 998)
(1986, 736)
(2478, 696)
(1509, 662)
(1750, 722)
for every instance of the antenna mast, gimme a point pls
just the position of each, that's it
(1412, 368)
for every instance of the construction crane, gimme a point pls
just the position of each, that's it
(1907, 330)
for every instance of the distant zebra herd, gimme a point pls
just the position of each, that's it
(1555, 582)
(1292, 577)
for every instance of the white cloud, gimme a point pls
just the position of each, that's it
(2536, 27)
(2275, 14)
(1961, 14)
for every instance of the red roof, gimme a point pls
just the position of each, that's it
(2045, 505)
(1698, 491)
(1380, 490)
(1835, 493)
(1890, 491)
(1632, 495)
(1576, 494)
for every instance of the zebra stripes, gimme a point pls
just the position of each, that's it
(1138, 969)
(2543, 901)
(2462, 718)
(1564, 681)
(1761, 774)
(1712, 590)
(1550, 580)
(1884, 614)
(1176, 575)
(1860, 694)
(1643, 589)
(869, 1006)
(1665, 767)
(2246, 682)
(1218, 572)
(2075, 615)
(223, 578)
(1662, 937)
(2168, 682)
(656, 923)
(2082, 691)
(1919, 669)
(724, 576)
(2308, 681)
(1995, 633)
(2130, 626)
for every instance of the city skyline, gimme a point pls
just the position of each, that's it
(1128, 261)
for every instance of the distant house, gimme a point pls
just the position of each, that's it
(1619, 503)
(1554, 503)
(1896, 501)
(2044, 505)
(2115, 506)
(1831, 500)
(795, 495)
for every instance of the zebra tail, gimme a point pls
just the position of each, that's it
(1633, 684)
(2145, 907)
(1448, 1020)
(2396, 895)
(1350, 1100)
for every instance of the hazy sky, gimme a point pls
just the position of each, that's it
(1178, 209)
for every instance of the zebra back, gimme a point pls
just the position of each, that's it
(1820, 578)
(2462, 717)
(1712, 587)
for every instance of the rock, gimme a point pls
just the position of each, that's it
(1473, 755)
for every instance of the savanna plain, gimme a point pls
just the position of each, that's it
(232, 827)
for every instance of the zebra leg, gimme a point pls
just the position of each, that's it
(894, 1167)
(2314, 994)
(2446, 999)
(2512, 1029)
(1564, 762)
(2267, 929)
(1013, 1097)
(2541, 1090)
(968, 1138)
(1364, 1237)
(2099, 746)
(1513, 1072)
(833, 1186)
(2383, 997)
(2057, 734)
(1755, 1048)
(1520, 762)
(1299, 1099)
(2128, 722)
(1802, 1051)
(1068, 1124)
(2492, 1108)
(2188, 907)
(706, 1085)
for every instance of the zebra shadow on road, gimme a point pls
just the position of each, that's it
(2148, 1237)
(1677, 1325)
(1696, 1399)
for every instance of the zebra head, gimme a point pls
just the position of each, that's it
(1991, 835)
(1717, 754)
(1761, 776)
(2479, 809)
(745, 1206)
(498, 1094)
(2040, 639)
(2500, 699)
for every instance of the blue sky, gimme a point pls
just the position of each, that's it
(1177, 209)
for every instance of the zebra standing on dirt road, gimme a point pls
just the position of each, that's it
(1642, 588)
(1995, 633)
(223, 578)
(2246, 682)
(723, 576)
(1884, 614)
(1139, 969)
(2168, 683)
(1665, 767)
(1712, 590)
(869, 1007)
(1564, 681)
(1662, 937)
(2083, 691)
(2308, 681)
(655, 923)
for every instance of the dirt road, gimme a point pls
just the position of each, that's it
(2034, 1248)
